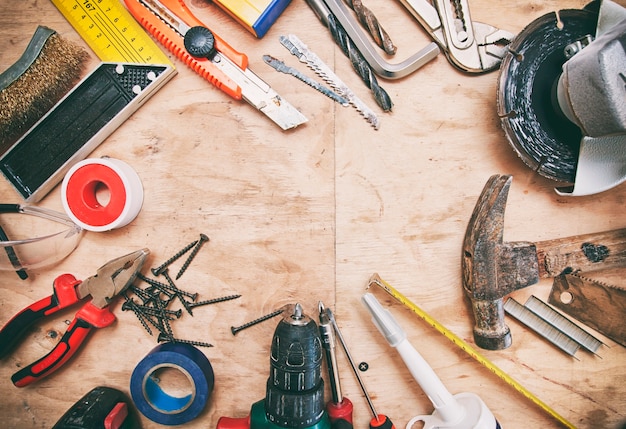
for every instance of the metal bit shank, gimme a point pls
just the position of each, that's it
(359, 64)
(369, 20)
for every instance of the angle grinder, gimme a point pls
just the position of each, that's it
(562, 97)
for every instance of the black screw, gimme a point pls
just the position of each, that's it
(363, 366)
(235, 329)
(194, 252)
(144, 323)
(176, 289)
(143, 295)
(161, 287)
(153, 311)
(129, 304)
(213, 301)
(158, 270)
(164, 337)
(179, 293)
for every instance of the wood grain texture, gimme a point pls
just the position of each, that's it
(309, 215)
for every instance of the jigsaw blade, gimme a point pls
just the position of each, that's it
(306, 56)
(280, 66)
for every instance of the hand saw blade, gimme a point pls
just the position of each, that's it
(596, 303)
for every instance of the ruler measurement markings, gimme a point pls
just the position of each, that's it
(119, 37)
(375, 279)
(111, 32)
(115, 42)
(89, 22)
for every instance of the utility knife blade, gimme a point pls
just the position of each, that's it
(171, 22)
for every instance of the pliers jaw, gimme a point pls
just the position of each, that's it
(113, 278)
(110, 280)
(471, 46)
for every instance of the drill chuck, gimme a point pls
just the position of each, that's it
(295, 388)
(294, 396)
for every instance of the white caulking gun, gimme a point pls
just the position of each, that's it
(461, 411)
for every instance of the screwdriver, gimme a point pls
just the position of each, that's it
(379, 421)
(339, 408)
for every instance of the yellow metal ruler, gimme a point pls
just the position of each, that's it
(111, 31)
(376, 280)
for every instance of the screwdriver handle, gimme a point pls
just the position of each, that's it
(340, 411)
(381, 422)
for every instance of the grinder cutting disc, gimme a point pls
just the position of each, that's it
(534, 125)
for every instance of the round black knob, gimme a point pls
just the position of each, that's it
(200, 42)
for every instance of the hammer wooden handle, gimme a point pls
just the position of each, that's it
(584, 252)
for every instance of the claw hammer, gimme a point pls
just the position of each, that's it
(492, 268)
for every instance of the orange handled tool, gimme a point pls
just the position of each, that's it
(175, 27)
(169, 28)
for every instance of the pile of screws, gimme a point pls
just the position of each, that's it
(153, 311)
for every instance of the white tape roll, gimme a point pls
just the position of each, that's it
(101, 194)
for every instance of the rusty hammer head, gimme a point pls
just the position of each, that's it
(493, 269)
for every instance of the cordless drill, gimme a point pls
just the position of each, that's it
(294, 396)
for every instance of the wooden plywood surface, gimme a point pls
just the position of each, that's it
(308, 215)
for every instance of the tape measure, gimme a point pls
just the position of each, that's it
(111, 31)
(375, 279)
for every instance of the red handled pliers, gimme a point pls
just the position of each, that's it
(110, 280)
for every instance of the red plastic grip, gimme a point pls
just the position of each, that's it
(341, 410)
(233, 423)
(88, 317)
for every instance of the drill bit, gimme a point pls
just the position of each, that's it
(369, 21)
(306, 56)
(358, 63)
(284, 68)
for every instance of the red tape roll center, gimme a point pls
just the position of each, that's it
(82, 199)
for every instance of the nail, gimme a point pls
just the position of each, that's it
(194, 252)
(235, 329)
(158, 270)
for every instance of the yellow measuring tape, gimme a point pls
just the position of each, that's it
(111, 31)
(375, 279)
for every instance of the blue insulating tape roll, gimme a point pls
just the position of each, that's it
(156, 404)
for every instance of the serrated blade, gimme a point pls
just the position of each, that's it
(306, 56)
(280, 66)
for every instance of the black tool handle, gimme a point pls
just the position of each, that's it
(63, 351)
(12, 332)
(88, 317)
(99, 407)
(63, 296)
